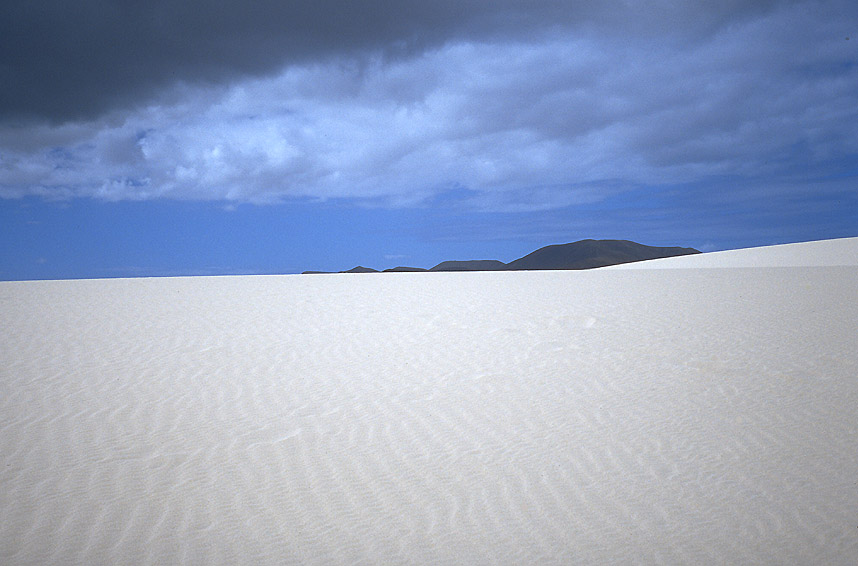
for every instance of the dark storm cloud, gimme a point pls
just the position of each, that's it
(62, 60)
(510, 107)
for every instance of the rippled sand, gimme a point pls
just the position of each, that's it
(688, 415)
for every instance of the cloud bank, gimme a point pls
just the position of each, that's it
(497, 106)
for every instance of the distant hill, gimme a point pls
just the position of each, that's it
(401, 269)
(472, 265)
(587, 254)
(584, 254)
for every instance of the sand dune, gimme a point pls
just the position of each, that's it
(824, 253)
(695, 416)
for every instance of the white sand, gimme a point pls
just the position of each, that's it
(824, 253)
(696, 416)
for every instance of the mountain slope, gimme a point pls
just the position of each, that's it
(587, 254)
(584, 254)
(470, 265)
(404, 269)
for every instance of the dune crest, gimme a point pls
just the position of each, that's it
(824, 253)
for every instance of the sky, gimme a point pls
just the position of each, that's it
(213, 137)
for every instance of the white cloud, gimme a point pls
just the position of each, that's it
(519, 126)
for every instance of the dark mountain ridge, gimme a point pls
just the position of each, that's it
(584, 254)
(587, 254)
(403, 269)
(471, 265)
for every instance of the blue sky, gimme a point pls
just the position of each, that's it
(211, 138)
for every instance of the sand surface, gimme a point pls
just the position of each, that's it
(676, 416)
(824, 253)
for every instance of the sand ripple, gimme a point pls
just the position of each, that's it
(675, 416)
